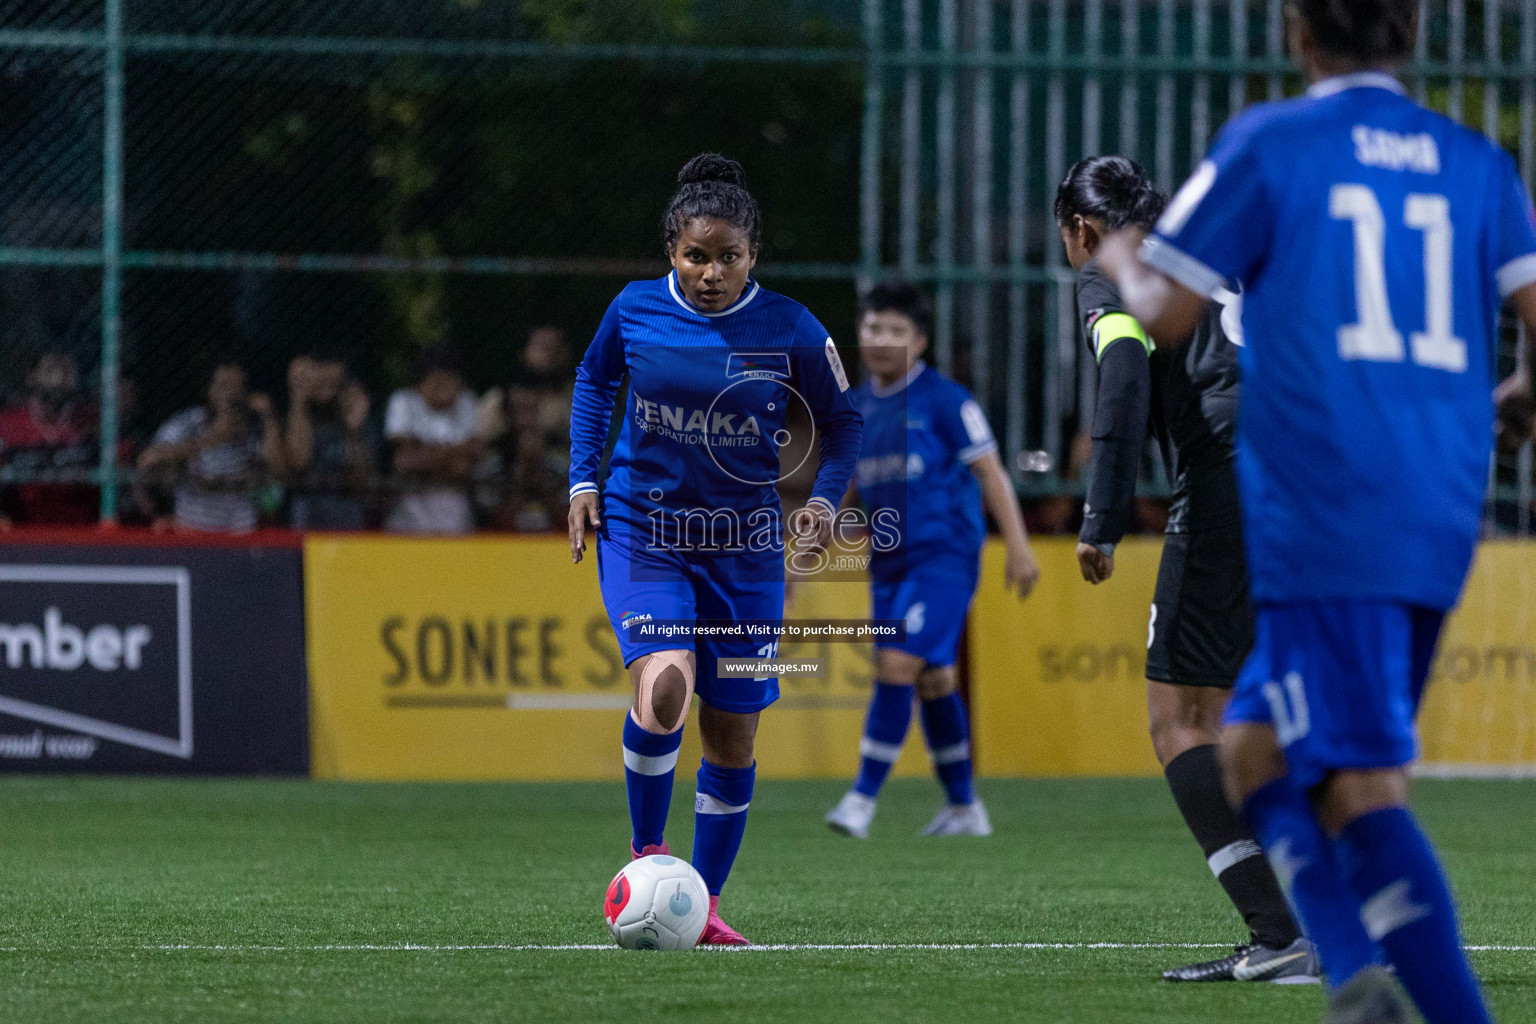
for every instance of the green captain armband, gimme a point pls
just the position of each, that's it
(1111, 327)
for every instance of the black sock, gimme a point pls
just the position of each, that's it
(1235, 859)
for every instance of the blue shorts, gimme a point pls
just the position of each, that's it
(933, 605)
(642, 583)
(1340, 681)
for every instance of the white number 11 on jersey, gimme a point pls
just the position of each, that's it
(1376, 337)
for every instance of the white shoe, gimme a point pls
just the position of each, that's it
(852, 815)
(960, 820)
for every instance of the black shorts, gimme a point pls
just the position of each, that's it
(1202, 622)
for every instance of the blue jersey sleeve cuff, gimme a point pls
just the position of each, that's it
(585, 487)
(1516, 274)
(976, 451)
(1159, 253)
(824, 503)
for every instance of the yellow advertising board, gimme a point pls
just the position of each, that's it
(492, 658)
(1058, 682)
(1479, 716)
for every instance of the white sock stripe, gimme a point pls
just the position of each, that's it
(952, 753)
(1390, 909)
(642, 764)
(1232, 854)
(703, 803)
(877, 751)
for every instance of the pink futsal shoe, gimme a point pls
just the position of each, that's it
(717, 932)
(649, 851)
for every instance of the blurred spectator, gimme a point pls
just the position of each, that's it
(533, 494)
(135, 499)
(1061, 513)
(528, 425)
(50, 432)
(1052, 514)
(549, 376)
(432, 429)
(329, 451)
(130, 433)
(219, 454)
(1151, 514)
(545, 378)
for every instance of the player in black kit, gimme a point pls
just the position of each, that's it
(1202, 624)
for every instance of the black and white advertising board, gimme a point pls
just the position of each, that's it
(128, 657)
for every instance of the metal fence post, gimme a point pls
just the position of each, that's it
(944, 161)
(1274, 45)
(911, 137)
(1018, 240)
(1130, 81)
(111, 252)
(981, 210)
(1059, 357)
(1167, 37)
(869, 160)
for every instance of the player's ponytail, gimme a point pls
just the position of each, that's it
(711, 185)
(1112, 189)
(1368, 32)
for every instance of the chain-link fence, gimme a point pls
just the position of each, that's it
(184, 186)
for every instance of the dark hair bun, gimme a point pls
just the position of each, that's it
(712, 167)
(1111, 188)
(711, 185)
(1368, 31)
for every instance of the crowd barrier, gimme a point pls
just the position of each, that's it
(374, 657)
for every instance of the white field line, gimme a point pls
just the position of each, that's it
(606, 947)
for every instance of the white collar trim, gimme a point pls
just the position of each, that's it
(1356, 80)
(690, 307)
(887, 391)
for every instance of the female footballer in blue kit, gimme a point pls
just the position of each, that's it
(929, 467)
(688, 524)
(1375, 242)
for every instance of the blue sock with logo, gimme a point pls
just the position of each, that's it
(649, 763)
(1408, 908)
(720, 820)
(885, 729)
(1284, 823)
(949, 741)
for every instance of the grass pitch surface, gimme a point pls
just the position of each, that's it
(209, 901)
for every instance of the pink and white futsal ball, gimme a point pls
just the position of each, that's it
(657, 902)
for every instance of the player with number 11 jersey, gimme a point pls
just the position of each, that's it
(1375, 241)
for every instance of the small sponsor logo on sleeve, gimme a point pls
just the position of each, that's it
(975, 423)
(836, 362)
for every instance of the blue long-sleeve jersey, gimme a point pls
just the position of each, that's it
(1374, 240)
(921, 436)
(709, 406)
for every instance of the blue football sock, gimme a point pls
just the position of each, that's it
(649, 762)
(885, 729)
(1408, 908)
(720, 820)
(1283, 821)
(949, 741)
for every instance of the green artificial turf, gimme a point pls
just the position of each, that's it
(257, 878)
